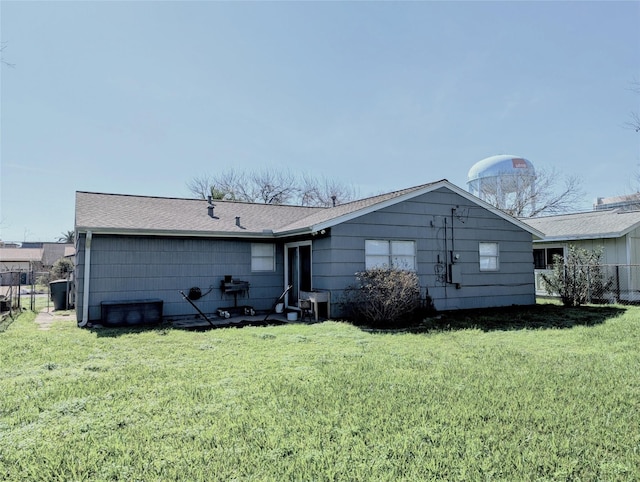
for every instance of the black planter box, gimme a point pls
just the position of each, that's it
(131, 312)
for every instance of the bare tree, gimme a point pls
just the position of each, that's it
(200, 186)
(634, 122)
(205, 185)
(324, 192)
(265, 186)
(548, 199)
(271, 186)
(3, 61)
(524, 197)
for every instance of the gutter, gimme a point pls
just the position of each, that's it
(86, 280)
(265, 234)
(578, 237)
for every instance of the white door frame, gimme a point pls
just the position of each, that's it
(287, 281)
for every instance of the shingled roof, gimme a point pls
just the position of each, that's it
(127, 214)
(143, 214)
(20, 254)
(586, 225)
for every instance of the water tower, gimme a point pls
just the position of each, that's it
(505, 181)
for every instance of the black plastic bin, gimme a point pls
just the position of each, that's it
(60, 294)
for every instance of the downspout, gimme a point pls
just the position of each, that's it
(630, 288)
(85, 281)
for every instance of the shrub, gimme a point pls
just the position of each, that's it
(383, 296)
(579, 278)
(61, 269)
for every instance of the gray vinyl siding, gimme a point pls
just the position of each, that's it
(614, 249)
(422, 220)
(131, 268)
(634, 246)
(322, 269)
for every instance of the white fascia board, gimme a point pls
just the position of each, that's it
(432, 187)
(626, 231)
(372, 208)
(581, 237)
(513, 220)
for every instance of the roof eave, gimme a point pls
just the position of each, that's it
(410, 195)
(470, 197)
(366, 210)
(296, 232)
(178, 234)
(579, 237)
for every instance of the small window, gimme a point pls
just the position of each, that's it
(403, 254)
(543, 258)
(394, 254)
(539, 259)
(489, 257)
(263, 257)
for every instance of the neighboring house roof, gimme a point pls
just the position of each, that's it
(20, 255)
(588, 225)
(627, 200)
(126, 214)
(32, 244)
(54, 251)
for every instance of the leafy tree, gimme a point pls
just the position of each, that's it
(271, 187)
(69, 237)
(62, 269)
(578, 278)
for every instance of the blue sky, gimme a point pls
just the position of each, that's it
(140, 97)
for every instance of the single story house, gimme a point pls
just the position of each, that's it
(17, 264)
(466, 253)
(30, 259)
(616, 231)
(20, 259)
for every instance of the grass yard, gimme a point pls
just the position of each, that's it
(545, 393)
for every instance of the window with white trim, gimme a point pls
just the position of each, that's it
(263, 257)
(380, 253)
(489, 256)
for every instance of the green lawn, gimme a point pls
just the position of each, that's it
(540, 394)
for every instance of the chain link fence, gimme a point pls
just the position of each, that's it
(10, 301)
(604, 283)
(18, 291)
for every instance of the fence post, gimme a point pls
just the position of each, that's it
(32, 298)
(11, 296)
